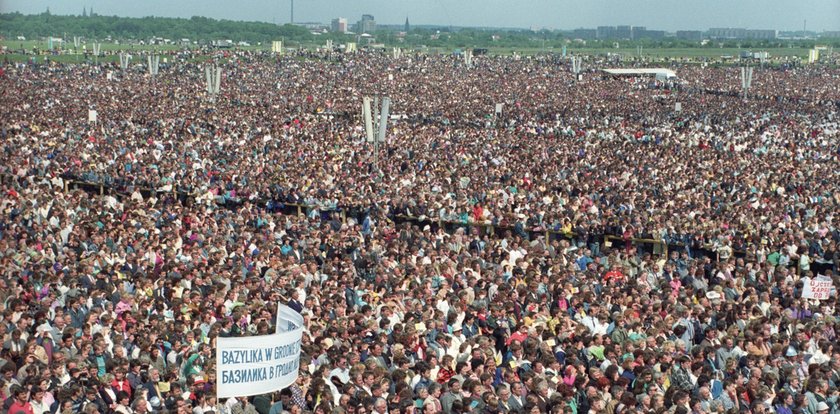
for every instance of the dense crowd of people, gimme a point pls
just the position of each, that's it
(114, 291)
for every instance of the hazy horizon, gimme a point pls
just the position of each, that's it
(786, 15)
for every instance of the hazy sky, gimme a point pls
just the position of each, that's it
(558, 14)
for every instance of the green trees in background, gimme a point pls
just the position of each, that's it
(99, 27)
(94, 26)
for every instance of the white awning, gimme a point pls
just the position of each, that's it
(658, 72)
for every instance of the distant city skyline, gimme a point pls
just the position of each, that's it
(784, 15)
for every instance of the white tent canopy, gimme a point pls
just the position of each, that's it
(657, 72)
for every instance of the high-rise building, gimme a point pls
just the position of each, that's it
(695, 35)
(615, 32)
(761, 34)
(739, 33)
(366, 25)
(339, 25)
(407, 26)
(727, 33)
(639, 32)
(605, 32)
(643, 33)
(623, 32)
(585, 34)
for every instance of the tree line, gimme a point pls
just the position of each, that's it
(144, 28)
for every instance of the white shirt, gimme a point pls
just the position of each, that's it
(342, 374)
(594, 325)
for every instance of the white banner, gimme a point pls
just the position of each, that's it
(368, 119)
(92, 116)
(818, 288)
(288, 320)
(277, 46)
(256, 365)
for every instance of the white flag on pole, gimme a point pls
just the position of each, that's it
(368, 119)
(383, 118)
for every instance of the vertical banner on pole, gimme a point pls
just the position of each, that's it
(217, 81)
(368, 119)
(743, 78)
(213, 77)
(576, 63)
(277, 47)
(383, 118)
(375, 117)
(97, 47)
(209, 80)
(746, 79)
(813, 56)
(749, 77)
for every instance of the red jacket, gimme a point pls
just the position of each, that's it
(18, 407)
(614, 275)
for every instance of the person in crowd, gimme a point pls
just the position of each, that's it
(586, 250)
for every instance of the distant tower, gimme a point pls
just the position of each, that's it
(293, 12)
(407, 26)
(84, 11)
(91, 11)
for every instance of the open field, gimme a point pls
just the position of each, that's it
(658, 52)
(664, 53)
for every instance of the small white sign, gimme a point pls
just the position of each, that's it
(678, 106)
(92, 116)
(818, 288)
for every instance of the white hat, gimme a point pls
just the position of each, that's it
(822, 406)
(713, 295)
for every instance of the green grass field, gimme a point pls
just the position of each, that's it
(68, 56)
(659, 52)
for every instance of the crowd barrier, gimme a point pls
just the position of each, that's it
(357, 213)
